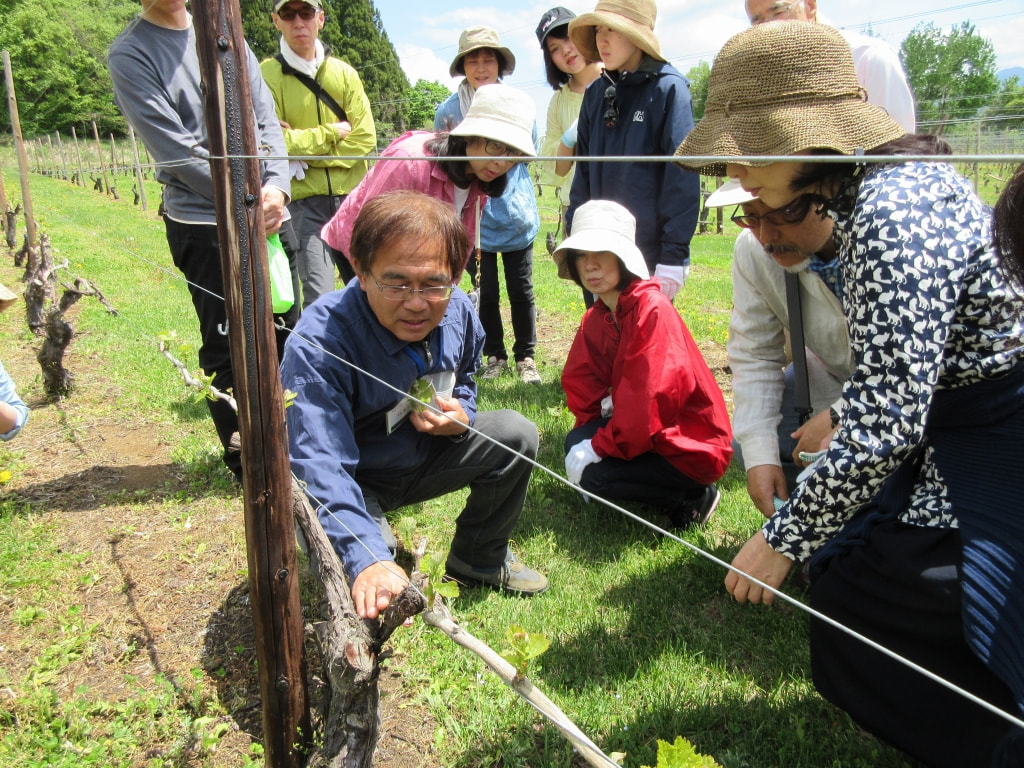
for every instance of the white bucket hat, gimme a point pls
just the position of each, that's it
(501, 113)
(603, 225)
(730, 193)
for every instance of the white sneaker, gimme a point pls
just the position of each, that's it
(527, 370)
(494, 368)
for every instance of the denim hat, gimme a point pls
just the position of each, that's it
(501, 113)
(780, 89)
(475, 38)
(556, 17)
(603, 225)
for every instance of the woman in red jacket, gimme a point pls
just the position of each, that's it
(651, 422)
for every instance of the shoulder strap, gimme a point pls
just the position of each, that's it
(796, 341)
(314, 86)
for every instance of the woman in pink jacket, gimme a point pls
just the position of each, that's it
(495, 135)
(651, 422)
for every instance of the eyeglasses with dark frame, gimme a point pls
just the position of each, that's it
(404, 292)
(304, 12)
(498, 149)
(792, 213)
(611, 112)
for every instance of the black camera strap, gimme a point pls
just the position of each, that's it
(314, 86)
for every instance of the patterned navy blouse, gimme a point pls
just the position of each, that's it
(928, 309)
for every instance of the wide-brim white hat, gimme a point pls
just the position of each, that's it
(603, 225)
(730, 193)
(501, 113)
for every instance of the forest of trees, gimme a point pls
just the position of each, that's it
(58, 59)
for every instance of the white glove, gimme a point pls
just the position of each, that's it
(298, 169)
(607, 407)
(577, 459)
(671, 278)
(569, 137)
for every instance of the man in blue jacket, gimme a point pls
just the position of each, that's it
(361, 439)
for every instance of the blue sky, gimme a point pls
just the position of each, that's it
(426, 33)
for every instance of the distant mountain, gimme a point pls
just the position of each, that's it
(1006, 74)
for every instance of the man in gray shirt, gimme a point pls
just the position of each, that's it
(155, 71)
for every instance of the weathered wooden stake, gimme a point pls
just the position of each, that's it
(19, 143)
(138, 168)
(269, 524)
(80, 178)
(99, 158)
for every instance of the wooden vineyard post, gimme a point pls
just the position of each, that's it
(269, 523)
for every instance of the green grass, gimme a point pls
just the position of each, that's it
(645, 642)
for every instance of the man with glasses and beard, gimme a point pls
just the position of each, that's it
(767, 431)
(384, 397)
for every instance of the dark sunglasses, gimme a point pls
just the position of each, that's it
(611, 112)
(304, 12)
(792, 213)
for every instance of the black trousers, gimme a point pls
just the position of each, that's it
(196, 252)
(902, 590)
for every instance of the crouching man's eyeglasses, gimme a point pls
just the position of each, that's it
(404, 292)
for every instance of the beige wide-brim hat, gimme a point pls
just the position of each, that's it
(780, 89)
(602, 225)
(634, 20)
(7, 297)
(502, 113)
(730, 193)
(475, 38)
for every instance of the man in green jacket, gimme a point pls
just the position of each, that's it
(328, 127)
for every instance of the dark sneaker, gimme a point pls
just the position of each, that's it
(511, 576)
(698, 511)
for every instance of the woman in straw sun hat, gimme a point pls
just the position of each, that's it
(640, 107)
(508, 225)
(912, 521)
(498, 128)
(13, 411)
(651, 423)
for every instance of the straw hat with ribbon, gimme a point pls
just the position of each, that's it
(783, 88)
(634, 20)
